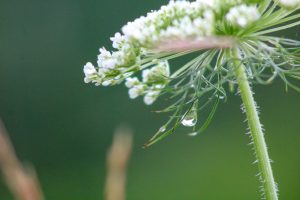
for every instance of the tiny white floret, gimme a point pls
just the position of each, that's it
(150, 97)
(130, 82)
(242, 15)
(89, 69)
(136, 91)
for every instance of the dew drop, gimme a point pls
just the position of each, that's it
(221, 97)
(189, 122)
(162, 129)
(193, 134)
(190, 118)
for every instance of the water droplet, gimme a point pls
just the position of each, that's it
(189, 122)
(162, 129)
(220, 96)
(193, 134)
(191, 117)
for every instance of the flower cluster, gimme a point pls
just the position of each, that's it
(153, 81)
(113, 66)
(219, 28)
(177, 20)
(229, 46)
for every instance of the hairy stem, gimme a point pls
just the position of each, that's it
(260, 147)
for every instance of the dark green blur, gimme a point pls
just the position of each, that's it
(64, 126)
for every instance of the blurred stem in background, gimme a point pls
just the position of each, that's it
(117, 160)
(257, 135)
(21, 181)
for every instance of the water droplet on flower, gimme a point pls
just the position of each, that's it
(162, 129)
(190, 118)
(220, 96)
(189, 122)
(193, 134)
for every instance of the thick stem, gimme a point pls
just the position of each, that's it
(260, 147)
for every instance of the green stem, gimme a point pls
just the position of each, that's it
(259, 143)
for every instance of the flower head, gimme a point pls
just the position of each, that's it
(217, 27)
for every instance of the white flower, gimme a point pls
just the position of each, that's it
(107, 82)
(89, 69)
(104, 53)
(130, 82)
(290, 4)
(145, 75)
(134, 30)
(109, 63)
(89, 72)
(173, 20)
(87, 80)
(210, 3)
(117, 40)
(158, 73)
(150, 97)
(136, 91)
(242, 15)
(178, 19)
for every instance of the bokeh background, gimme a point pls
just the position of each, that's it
(64, 126)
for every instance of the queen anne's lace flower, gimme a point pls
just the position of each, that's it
(230, 43)
(141, 52)
(176, 21)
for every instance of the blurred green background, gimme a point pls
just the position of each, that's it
(64, 126)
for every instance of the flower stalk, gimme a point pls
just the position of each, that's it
(257, 135)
